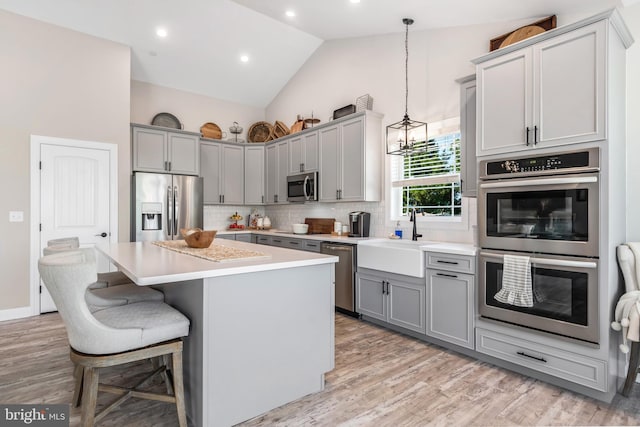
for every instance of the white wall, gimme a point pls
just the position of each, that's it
(61, 83)
(191, 109)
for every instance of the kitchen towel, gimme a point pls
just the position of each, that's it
(516, 282)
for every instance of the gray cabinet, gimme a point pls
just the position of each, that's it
(545, 94)
(392, 298)
(450, 298)
(163, 151)
(468, 161)
(277, 159)
(254, 174)
(350, 159)
(303, 152)
(222, 169)
(240, 237)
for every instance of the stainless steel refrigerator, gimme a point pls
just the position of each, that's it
(162, 204)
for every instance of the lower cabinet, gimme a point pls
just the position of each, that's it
(241, 237)
(450, 298)
(392, 298)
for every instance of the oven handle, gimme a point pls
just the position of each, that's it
(549, 261)
(541, 181)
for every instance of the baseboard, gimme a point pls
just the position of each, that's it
(15, 313)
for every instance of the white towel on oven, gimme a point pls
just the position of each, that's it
(516, 282)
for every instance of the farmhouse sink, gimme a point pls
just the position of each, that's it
(393, 256)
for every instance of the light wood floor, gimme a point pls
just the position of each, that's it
(381, 379)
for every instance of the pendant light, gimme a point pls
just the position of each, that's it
(406, 136)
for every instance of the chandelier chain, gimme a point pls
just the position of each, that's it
(406, 71)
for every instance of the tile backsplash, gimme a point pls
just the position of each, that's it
(216, 217)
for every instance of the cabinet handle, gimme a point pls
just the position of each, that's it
(447, 262)
(527, 135)
(169, 166)
(301, 167)
(541, 359)
(275, 198)
(535, 134)
(382, 282)
(165, 165)
(219, 198)
(262, 199)
(223, 198)
(447, 275)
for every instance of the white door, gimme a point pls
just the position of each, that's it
(74, 200)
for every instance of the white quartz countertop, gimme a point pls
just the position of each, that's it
(148, 264)
(429, 245)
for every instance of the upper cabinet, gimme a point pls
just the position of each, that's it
(277, 160)
(550, 92)
(303, 153)
(350, 159)
(222, 167)
(254, 174)
(468, 164)
(164, 151)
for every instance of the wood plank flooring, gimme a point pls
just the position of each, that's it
(381, 379)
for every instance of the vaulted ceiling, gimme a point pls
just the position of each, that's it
(207, 38)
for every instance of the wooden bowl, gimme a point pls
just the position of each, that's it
(197, 238)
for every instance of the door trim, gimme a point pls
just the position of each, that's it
(36, 142)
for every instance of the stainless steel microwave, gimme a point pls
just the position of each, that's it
(302, 187)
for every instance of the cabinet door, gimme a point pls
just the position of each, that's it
(450, 308)
(296, 155)
(371, 301)
(351, 160)
(468, 164)
(233, 175)
(283, 159)
(570, 87)
(504, 103)
(149, 148)
(310, 144)
(406, 305)
(210, 158)
(328, 139)
(243, 238)
(184, 154)
(271, 154)
(254, 175)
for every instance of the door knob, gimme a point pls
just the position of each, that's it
(103, 234)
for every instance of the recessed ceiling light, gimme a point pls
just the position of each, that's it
(354, 1)
(244, 58)
(290, 13)
(161, 32)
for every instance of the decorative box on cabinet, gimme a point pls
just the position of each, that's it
(548, 90)
(158, 150)
(450, 298)
(351, 158)
(468, 160)
(392, 298)
(222, 169)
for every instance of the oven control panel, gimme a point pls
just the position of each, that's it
(576, 161)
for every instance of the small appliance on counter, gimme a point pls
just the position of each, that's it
(359, 224)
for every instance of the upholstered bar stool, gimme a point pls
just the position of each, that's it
(113, 336)
(112, 278)
(101, 297)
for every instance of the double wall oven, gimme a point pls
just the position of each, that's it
(546, 208)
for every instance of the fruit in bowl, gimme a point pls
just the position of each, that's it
(198, 238)
(236, 226)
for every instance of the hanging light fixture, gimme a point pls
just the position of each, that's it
(406, 136)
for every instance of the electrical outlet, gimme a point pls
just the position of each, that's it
(16, 216)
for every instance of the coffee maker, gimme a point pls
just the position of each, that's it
(359, 224)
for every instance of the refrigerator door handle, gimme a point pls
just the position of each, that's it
(176, 199)
(169, 211)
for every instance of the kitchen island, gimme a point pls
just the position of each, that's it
(262, 328)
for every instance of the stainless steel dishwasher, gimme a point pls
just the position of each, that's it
(345, 274)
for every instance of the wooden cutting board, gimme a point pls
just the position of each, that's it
(320, 225)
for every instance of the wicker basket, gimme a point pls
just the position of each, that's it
(259, 132)
(279, 130)
(365, 102)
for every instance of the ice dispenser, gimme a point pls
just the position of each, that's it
(152, 216)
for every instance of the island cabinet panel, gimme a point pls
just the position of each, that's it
(395, 299)
(158, 150)
(546, 94)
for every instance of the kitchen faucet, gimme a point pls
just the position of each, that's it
(412, 218)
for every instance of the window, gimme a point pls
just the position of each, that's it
(429, 181)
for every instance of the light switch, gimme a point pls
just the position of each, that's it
(16, 216)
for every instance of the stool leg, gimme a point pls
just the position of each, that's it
(178, 387)
(633, 368)
(78, 375)
(90, 392)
